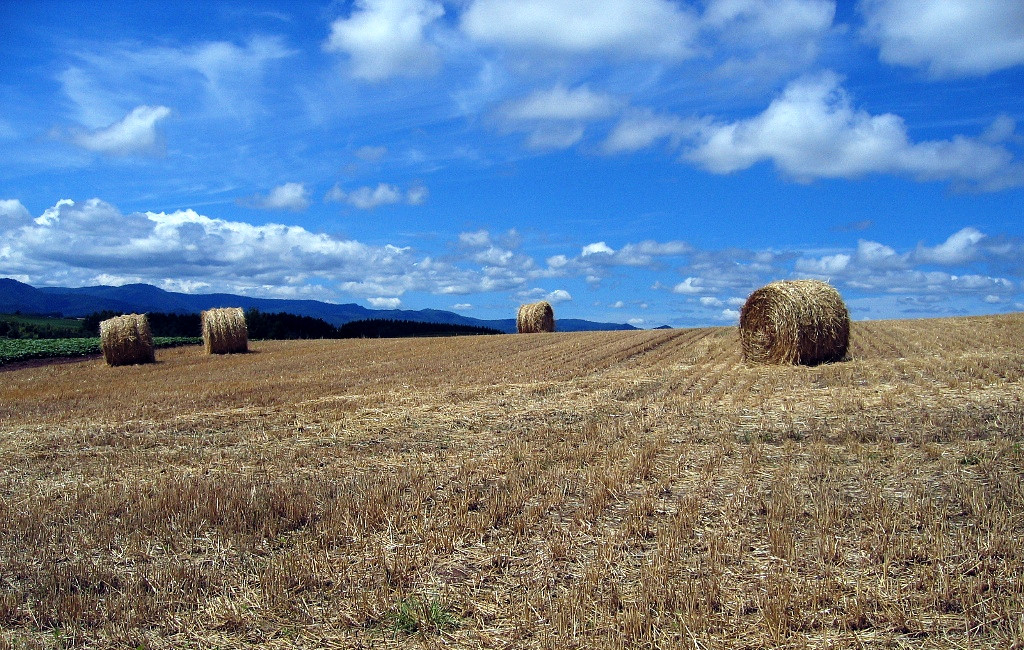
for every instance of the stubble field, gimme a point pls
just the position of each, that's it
(592, 490)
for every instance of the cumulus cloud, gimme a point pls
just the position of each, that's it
(813, 131)
(368, 198)
(625, 28)
(690, 286)
(385, 303)
(947, 37)
(387, 38)
(135, 134)
(13, 214)
(84, 241)
(557, 296)
(597, 248)
(961, 247)
(289, 196)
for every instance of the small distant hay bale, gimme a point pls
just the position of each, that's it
(535, 317)
(127, 340)
(794, 322)
(225, 331)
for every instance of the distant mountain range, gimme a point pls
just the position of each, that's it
(140, 298)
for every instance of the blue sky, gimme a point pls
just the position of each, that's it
(642, 161)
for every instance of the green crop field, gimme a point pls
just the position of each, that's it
(12, 350)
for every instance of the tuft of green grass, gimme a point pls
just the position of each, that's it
(414, 615)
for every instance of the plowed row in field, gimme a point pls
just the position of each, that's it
(607, 489)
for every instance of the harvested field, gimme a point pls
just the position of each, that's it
(582, 490)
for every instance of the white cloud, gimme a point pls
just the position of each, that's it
(597, 248)
(385, 303)
(767, 37)
(289, 196)
(368, 198)
(644, 253)
(561, 103)
(774, 20)
(417, 194)
(558, 295)
(557, 261)
(555, 118)
(813, 131)
(386, 38)
(462, 306)
(828, 265)
(948, 37)
(729, 315)
(475, 239)
(231, 73)
(690, 286)
(626, 28)
(13, 214)
(104, 82)
(618, 304)
(641, 128)
(135, 134)
(961, 247)
(711, 301)
(78, 242)
(874, 255)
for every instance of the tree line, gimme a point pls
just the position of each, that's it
(261, 325)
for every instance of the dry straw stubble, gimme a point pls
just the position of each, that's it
(535, 317)
(127, 340)
(225, 331)
(794, 322)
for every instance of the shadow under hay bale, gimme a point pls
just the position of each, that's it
(127, 340)
(225, 331)
(794, 322)
(535, 317)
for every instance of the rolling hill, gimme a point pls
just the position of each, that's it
(79, 301)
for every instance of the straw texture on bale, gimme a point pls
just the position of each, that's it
(225, 331)
(535, 317)
(794, 322)
(127, 340)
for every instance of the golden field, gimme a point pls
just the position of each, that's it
(578, 490)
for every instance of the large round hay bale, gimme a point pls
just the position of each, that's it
(127, 340)
(225, 331)
(794, 322)
(535, 317)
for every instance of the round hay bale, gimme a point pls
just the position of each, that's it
(794, 322)
(225, 331)
(127, 340)
(535, 317)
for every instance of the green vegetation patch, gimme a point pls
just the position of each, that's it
(12, 350)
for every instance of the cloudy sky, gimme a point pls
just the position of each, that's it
(642, 161)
